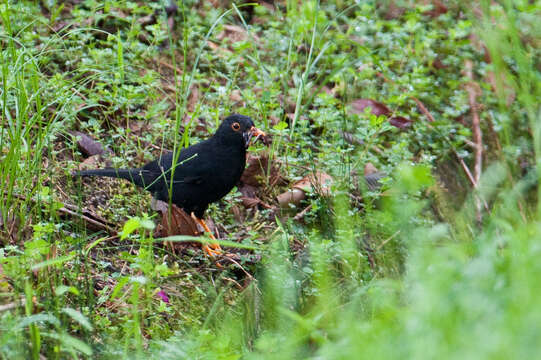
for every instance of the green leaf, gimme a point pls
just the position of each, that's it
(71, 343)
(32, 319)
(78, 317)
(55, 261)
(62, 289)
(280, 126)
(123, 281)
(130, 226)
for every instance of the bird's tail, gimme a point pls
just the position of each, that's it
(139, 177)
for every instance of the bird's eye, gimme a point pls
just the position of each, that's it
(235, 126)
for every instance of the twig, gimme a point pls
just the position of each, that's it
(387, 240)
(466, 169)
(369, 254)
(79, 93)
(88, 219)
(13, 305)
(423, 109)
(239, 286)
(301, 214)
(73, 211)
(170, 67)
(473, 91)
(239, 266)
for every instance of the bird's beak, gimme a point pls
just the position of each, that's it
(253, 132)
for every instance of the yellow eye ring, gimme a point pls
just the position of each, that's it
(235, 126)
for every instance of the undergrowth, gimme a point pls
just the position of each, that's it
(440, 259)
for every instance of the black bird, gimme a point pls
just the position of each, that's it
(203, 173)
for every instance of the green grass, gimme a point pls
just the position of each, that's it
(424, 267)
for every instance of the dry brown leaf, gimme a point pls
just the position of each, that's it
(249, 197)
(350, 138)
(235, 96)
(293, 196)
(376, 108)
(256, 170)
(393, 11)
(274, 120)
(147, 20)
(87, 145)
(233, 33)
(319, 182)
(438, 8)
(176, 223)
(90, 162)
(193, 98)
(400, 122)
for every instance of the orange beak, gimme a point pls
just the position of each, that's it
(253, 133)
(256, 132)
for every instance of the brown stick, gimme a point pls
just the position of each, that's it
(301, 214)
(13, 305)
(466, 169)
(423, 109)
(86, 215)
(88, 219)
(473, 91)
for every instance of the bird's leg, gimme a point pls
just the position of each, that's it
(211, 249)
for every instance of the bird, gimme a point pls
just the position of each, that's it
(198, 175)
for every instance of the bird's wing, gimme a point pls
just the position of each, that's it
(188, 180)
(191, 165)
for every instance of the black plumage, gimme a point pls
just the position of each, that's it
(203, 173)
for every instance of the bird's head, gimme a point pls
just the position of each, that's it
(239, 128)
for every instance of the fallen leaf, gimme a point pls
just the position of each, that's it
(350, 138)
(147, 20)
(249, 197)
(233, 33)
(400, 122)
(90, 162)
(438, 8)
(319, 183)
(376, 108)
(176, 223)
(235, 96)
(137, 126)
(87, 145)
(293, 196)
(274, 120)
(438, 64)
(393, 11)
(193, 99)
(256, 170)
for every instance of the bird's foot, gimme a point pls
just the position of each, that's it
(212, 249)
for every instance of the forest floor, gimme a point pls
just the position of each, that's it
(392, 214)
